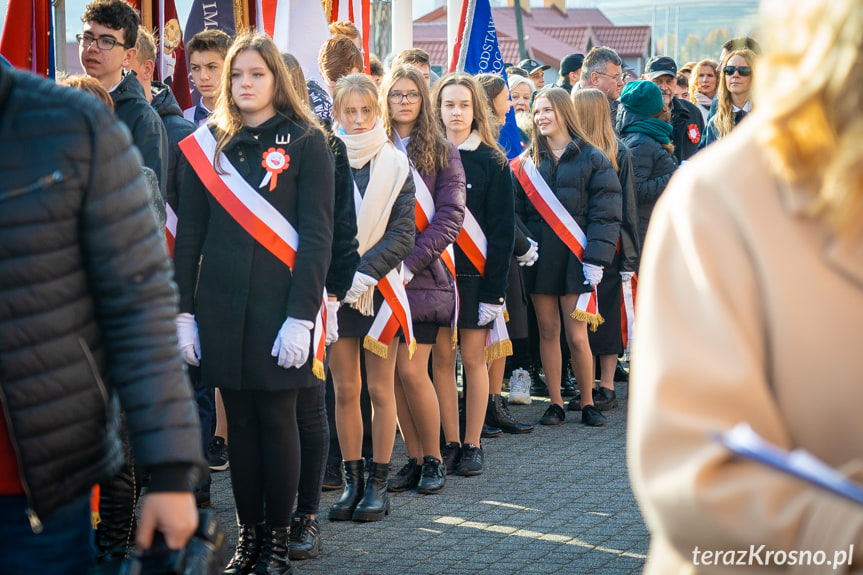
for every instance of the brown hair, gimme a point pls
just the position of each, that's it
(565, 112)
(338, 56)
(209, 41)
(481, 112)
(88, 84)
(345, 28)
(376, 67)
(594, 119)
(296, 76)
(412, 56)
(286, 101)
(427, 147)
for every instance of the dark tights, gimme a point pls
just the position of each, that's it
(314, 445)
(265, 454)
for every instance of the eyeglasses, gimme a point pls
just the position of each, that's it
(398, 97)
(102, 42)
(618, 78)
(744, 70)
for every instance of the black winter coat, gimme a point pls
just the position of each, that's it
(490, 200)
(243, 293)
(398, 239)
(88, 304)
(148, 132)
(630, 246)
(652, 167)
(345, 258)
(431, 292)
(177, 128)
(688, 123)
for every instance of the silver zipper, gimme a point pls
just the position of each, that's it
(45, 181)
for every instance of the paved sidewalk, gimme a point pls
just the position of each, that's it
(553, 501)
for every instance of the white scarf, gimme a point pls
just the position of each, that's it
(387, 175)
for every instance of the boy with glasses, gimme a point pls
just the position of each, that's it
(106, 47)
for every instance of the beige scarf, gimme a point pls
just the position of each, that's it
(387, 175)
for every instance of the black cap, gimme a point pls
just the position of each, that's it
(660, 65)
(571, 63)
(531, 66)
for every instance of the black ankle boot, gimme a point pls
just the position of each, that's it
(247, 551)
(274, 559)
(497, 415)
(375, 503)
(343, 509)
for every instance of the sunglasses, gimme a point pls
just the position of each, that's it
(744, 70)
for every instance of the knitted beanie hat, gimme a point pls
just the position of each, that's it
(642, 97)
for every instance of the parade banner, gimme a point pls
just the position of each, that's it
(208, 15)
(160, 16)
(27, 40)
(298, 27)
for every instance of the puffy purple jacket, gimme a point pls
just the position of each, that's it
(430, 292)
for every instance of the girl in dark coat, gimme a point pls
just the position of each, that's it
(385, 231)
(241, 292)
(408, 119)
(642, 127)
(460, 103)
(584, 181)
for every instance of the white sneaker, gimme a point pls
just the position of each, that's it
(519, 387)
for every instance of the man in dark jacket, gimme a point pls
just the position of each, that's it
(570, 71)
(106, 46)
(88, 319)
(603, 69)
(685, 116)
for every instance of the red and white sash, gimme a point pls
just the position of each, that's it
(170, 228)
(563, 225)
(254, 214)
(395, 311)
(474, 245)
(627, 311)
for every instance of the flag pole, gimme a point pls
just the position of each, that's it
(59, 37)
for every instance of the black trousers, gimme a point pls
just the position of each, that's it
(314, 445)
(265, 454)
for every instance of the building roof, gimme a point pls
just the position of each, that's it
(628, 41)
(578, 37)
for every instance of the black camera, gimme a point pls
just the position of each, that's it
(204, 554)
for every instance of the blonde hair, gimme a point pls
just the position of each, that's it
(811, 89)
(724, 118)
(286, 101)
(355, 84)
(594, 119)
(481, 113)
(427, 148)
(565, 112)
(695, 84)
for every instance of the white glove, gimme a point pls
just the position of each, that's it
(409, 275)
(487, 312)
(292, 343)
(626, 276)
(592, 274)
(361, 283)
(332, 321)
(529, 257)
(187, 334)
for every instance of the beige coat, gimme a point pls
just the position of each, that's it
(748, 311)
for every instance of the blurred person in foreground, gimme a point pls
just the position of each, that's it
(727, 330)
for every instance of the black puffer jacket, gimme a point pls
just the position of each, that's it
(88, 304)
(398, 239)
(688, 131)
(177, 128)
(630, 246)
(652, 165)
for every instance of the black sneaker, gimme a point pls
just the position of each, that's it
(217, 454)
(408, 477)
(575, 402)
(605, 399)
(472, 460)
(554, 415)
(333, 477)
(621, 374)
(451, 454)
(305, 538)
(592, 416)
(433, 476)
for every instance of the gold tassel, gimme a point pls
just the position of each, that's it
(593, 320)
(454, 338)
(498, 350)
(376, 347)
(318, 369)
(412, 348)
(506, 315)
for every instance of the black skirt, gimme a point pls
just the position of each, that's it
(558, 271)
(354, 324)
(607, 339)
(468, 293)
(424, 332)
(516, 303)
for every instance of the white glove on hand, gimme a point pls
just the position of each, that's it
(409, 275)
(187, 334)
(529, 257)
(487, 312)
(361, 283)
(292, 343)
(332, 321)
(626, 276)
(592, 274)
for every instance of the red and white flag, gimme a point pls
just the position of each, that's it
(27, 36)
(299, 27)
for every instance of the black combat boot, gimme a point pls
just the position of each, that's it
(247, 551)
(375, 503)
(497, 415)
(343, 509)
(274, 559)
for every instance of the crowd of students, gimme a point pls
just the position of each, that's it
(419, 235)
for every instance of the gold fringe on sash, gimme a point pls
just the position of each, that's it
(506, 315)
(593, 320)
(375, 347)
(412, 348)
(318, 369)
(454, 338)
(498, 350)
